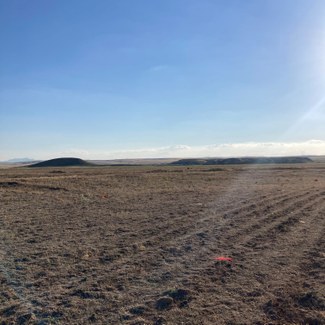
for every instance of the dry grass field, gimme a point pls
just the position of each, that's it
(137, 245)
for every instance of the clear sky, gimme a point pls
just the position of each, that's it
(149, 78)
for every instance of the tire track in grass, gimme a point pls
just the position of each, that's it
(226, 225)
(220, 242)
(187, 222)
(273, 216)
(182, 233)
(295, 211)
(313, 262)
(184, 266)
(289, 219)
(292, 255)
(276, 266)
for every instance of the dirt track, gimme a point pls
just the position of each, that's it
(136, 245)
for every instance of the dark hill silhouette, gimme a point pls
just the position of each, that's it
(247, 160)
(63, 162)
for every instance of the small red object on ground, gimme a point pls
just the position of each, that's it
(223, 259)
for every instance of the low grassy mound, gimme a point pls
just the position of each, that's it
(63, 162)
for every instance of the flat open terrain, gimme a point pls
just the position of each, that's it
(136, 245)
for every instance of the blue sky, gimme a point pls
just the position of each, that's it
(124, 78)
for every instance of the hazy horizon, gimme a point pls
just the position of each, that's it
(308, 148)
(183, 78)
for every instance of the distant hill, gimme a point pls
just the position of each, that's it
(134, 161)
(239, 161)
(318, 159)
(63, 162)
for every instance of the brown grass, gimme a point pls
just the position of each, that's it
(136, 245)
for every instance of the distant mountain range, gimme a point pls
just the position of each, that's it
(19, 160)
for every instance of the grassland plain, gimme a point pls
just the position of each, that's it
(136, 245)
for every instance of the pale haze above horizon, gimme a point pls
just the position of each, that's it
(107, 79)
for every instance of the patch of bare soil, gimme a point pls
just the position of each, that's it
(137, 245)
